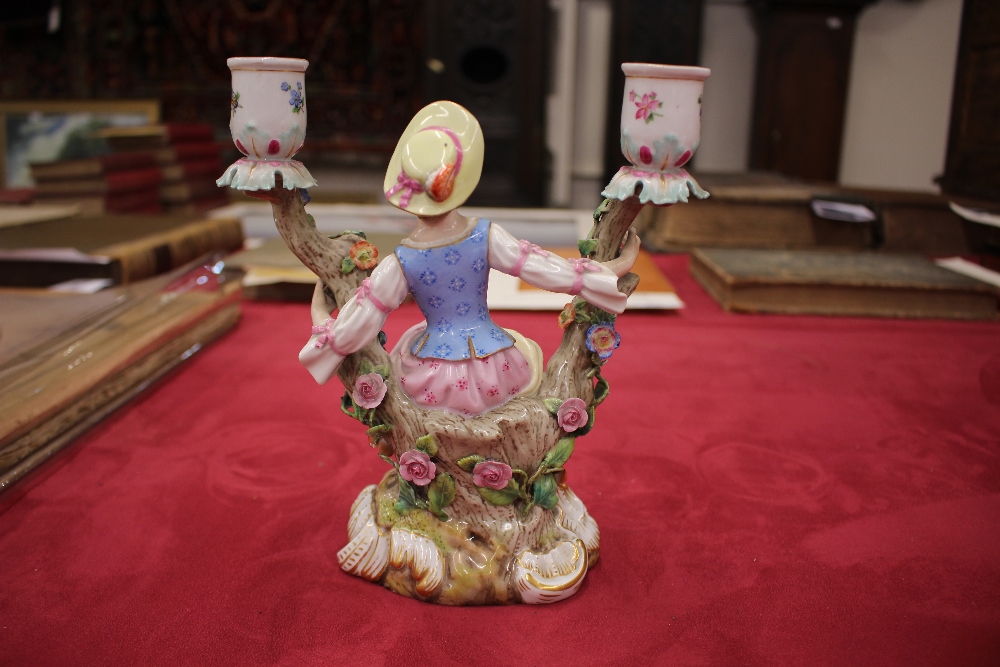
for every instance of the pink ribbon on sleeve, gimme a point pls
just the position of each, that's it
(527, 249)
(580, 266)
(365, 292)
(325, 333)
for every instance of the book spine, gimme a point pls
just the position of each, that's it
(179, 132)
(115, 162)
(128, 181)
(155, 254)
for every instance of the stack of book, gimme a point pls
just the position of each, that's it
(114, 183)
(187, 156)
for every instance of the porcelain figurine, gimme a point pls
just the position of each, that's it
(661, 129)
(475, 429)
(267, 117)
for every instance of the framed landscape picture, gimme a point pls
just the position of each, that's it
(45, 131)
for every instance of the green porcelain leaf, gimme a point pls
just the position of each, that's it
(347, 265)
(468, 463)
(504, 496)
(545, 492)
(366, 366)
(558, 455)
(407, 498)
(553, 404)
(586, 246)
(427, 444)
(379, 430)
(440, 494)
(382, 370)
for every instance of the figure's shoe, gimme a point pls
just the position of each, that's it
(367, 553)
(572, 515)
(542, 578)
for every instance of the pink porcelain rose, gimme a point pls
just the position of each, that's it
(491, 474)
(369, 390)
(572, 414)
(415, 466)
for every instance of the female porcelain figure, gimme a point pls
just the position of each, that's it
(458, 360)
(474, 507)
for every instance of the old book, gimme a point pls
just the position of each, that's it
(207, 170)
(146, 200)
(123, 248)
(187, 190)
(748, 211)
(839, 283)
(92, 167)
(188, 151)
(199, 205)
(111, 183)
(151, 137)
(67, 361)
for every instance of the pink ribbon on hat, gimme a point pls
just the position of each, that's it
(527, 248)
(411, 186)
(580, 266)
(364, 291)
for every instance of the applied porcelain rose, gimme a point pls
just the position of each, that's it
(660, 132)
(267, 118)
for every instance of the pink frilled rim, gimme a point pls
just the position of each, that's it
(653, 71)
(268, 64)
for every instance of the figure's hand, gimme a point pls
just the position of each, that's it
(630, 251)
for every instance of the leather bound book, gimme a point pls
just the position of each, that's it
(123, 248)
(187, 190)
(207, 169)
(146, 200)
(111, 183)
(90, 168)
(840, 283)
(146, 137)
(187, 152)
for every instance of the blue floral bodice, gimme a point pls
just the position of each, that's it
(449, 285)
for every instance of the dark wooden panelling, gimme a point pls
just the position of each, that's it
(364, 81)
(646, 31)
(493, 61)
(803, 65)
(973, 164)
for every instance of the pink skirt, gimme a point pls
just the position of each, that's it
(469, 387)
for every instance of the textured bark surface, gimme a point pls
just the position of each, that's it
(480, 541)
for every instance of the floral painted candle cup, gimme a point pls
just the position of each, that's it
(268, 121)
(661, 129)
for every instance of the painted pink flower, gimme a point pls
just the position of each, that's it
(369, 390)
(572, 414)
(646, 106)
(491, 474)
(416, 467)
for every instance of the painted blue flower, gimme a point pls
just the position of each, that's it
(443, 324)
(456, 284)
(483, 315)
(479, 265)
(463, 308)
(285, 86)
(498, 334)
(435, 302)
(442, 350)
(452, 257)
(481, 288)
(428, 277)
(295, 96)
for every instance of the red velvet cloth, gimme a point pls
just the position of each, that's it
(770, 491)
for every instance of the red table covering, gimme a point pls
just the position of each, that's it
(770, 491)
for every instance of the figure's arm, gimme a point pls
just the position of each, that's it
(595, 281)
(359, 320)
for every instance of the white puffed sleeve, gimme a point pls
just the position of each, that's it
(359, 320)
(592, 280)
